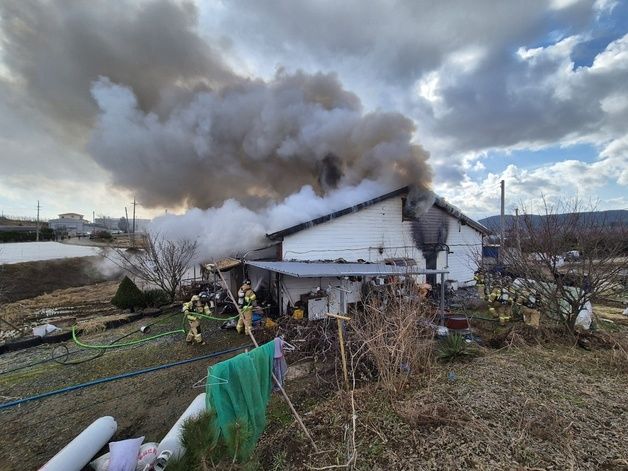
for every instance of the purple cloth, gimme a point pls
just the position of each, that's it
(278, 348)
(280, 367)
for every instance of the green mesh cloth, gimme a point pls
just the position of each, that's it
(240, 403)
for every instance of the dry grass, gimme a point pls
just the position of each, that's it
(98, 295)
(518, 408)
(98, 324)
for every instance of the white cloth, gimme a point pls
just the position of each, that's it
(124, 454)
(43, 330)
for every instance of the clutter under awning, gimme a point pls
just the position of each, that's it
(301, 288)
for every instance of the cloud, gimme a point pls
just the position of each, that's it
(562, 179)
(391, 42)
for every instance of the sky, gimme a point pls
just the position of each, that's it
(183, 104)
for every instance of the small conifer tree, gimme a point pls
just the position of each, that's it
(128, 296)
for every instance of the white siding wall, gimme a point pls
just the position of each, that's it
(465, 243)
(363, 234)
(356, 236)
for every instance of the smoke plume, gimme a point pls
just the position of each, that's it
(254, 141)
(232, 229)
(168, 118)
(58, 48)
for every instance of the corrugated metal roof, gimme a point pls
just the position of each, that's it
(321, 269)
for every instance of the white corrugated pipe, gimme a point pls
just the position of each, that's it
(76, 454)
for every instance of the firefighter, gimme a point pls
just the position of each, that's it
(191, 309)
(247, 301)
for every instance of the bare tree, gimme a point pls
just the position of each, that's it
(568, 257)
(159, 261)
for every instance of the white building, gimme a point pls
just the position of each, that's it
(72, 223)
(379, 236)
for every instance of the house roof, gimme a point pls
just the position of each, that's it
(321, 269)
(438, 202)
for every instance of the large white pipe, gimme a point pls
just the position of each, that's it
(171, 446)
(76, 454)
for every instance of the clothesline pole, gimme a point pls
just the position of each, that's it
(341, 342)
(283, 391)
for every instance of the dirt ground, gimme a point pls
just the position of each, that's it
(86, 306)
(524, 406)
(30, 279)
(143, 405)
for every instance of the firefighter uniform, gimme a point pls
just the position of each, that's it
(191, 310)
(247, 301)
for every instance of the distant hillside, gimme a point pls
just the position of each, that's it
(612, 218)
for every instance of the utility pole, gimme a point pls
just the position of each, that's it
(127, 220)
(93, 217)
(37, 230)
(134, 204)
(517, 228)
(501, 221)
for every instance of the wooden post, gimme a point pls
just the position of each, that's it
(341, 341)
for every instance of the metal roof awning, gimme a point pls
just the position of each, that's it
(321, 269)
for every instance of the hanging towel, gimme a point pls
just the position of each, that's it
(240, 402)
(280, 367)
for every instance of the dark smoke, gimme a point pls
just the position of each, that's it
(170, 121)
(330, 172)
(256, 142)
(58, 48)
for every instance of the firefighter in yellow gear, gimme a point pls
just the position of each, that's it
(191, 310)
(247, 301)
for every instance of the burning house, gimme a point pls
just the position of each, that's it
(401, 233)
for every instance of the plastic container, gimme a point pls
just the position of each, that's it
(456, 322)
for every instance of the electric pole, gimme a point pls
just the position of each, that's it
(517, 228)
(134, 204)
(501, 221)
(37, 230)
(126, 226)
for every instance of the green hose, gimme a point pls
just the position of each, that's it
(146, 339)
(126, 344)
(215, 318)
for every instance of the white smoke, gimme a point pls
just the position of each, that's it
(233, 229)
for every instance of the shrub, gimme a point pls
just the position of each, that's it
(156, 298)
(455, 346)
(102, 235)
(394, 334)
(128, 296)
(205, 446)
